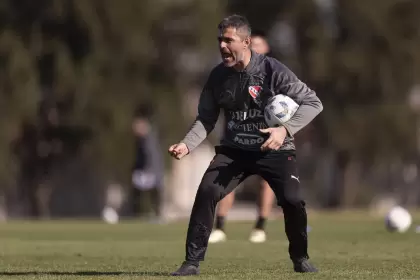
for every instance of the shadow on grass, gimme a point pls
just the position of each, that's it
(84, 273)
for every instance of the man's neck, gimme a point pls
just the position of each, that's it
(244, 62)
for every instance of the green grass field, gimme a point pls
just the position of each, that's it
(343, 246)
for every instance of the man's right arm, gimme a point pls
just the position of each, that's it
(208, 113)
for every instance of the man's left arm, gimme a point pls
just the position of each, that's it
(286, 82)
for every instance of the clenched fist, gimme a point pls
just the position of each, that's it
(276, 139)
(178, 151)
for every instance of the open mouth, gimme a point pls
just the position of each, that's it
(226, 56)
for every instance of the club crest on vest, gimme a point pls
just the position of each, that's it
(254, 91)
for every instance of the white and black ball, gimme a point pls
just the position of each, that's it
(279, 109)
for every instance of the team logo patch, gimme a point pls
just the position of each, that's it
(254, 91)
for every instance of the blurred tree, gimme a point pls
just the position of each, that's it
(95, 61)
(19, 94)
(139, 52)
(363, 76)
(362, 59)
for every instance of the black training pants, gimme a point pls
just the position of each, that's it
(229, 168)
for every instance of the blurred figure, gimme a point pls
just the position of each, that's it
(259, 43)
(39, 149)
(266, 199)
(148, 170)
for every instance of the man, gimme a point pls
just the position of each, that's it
(148, 169)
(241, 86)
(260, 45)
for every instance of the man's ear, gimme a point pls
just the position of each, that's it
(247, 42)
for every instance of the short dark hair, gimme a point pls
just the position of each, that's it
(144, 110)
(236, 21)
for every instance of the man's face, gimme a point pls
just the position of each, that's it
(259, 45)
(141, 127)
(233, 46)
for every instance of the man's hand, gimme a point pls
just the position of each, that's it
(276, 139)
(178, 151)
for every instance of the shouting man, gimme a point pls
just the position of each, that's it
(241, 86)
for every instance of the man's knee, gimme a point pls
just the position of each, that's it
(290, 200)
(289, 194)
(210, 191)
(291, 204)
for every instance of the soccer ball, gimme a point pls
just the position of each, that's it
(279, 109)
(398, 219)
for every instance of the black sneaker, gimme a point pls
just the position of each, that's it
(187, 269)
(304, 266)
